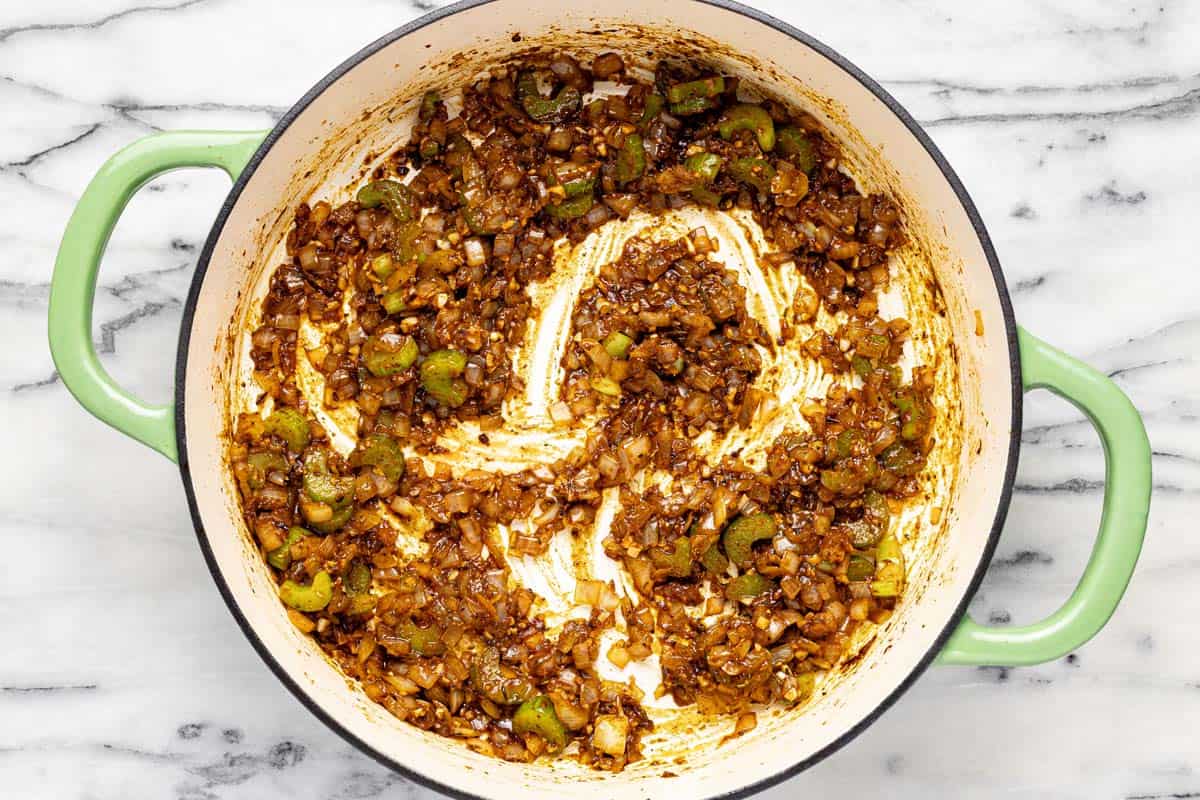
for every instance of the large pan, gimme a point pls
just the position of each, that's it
(319, 147)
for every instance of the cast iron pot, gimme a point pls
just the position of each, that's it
(316, 148)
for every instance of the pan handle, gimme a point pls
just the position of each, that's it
(73, 287)
(1122, 522)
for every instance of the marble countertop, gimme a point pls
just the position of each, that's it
(1073, 124)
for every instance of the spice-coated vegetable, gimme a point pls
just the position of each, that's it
(392, 195)
(743, 532)
(290, 425)
(308, 597)
(546, 109)
(748, 117)
(538, 716)
(281, 557)
(440, 376)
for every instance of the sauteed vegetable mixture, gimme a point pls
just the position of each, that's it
(747, 580)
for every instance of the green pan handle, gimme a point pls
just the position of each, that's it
(73, 288)
(1122, 522)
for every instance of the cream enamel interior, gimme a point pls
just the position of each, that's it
(323, 149)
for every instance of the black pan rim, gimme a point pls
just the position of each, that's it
(839, 61)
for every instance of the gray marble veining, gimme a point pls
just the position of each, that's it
(1073, 124)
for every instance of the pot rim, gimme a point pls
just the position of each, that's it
(840, 61)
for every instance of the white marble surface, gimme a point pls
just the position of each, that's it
(1073, 124)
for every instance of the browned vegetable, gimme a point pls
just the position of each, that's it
(753, 573)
